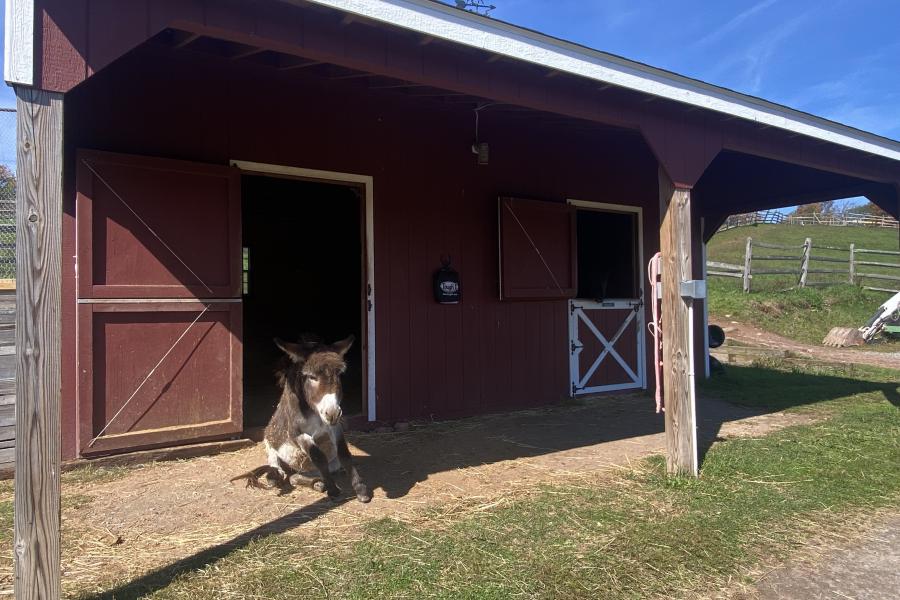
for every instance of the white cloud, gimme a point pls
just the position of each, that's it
(734, 23)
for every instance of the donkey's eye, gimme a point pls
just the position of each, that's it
(312, 378)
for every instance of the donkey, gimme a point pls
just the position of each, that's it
(305, 430)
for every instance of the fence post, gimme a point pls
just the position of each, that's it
(748, 257)
(804, 261)
(852, 264)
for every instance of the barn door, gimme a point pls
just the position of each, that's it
(159, 293)
(606, 346)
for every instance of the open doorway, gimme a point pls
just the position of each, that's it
(304, 272)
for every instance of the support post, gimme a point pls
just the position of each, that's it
(804, 262)
(852, 264)
(38, 278)
(748, 260)
(677, 324)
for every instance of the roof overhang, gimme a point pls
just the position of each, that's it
(438, 20)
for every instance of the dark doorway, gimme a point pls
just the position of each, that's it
(607, 255)
(304, 271)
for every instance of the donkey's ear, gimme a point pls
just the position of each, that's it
(296, 352)
(343, 346)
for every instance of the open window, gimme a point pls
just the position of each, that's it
(607, 254)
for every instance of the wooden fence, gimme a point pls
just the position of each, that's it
(842, 219)
(858, 263)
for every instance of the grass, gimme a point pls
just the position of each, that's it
(637, 535)
(805, 315)
(775, 303)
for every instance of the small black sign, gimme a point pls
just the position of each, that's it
(446, 284)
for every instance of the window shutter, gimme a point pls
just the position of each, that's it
(537, 250)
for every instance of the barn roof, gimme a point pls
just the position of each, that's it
(438, 20)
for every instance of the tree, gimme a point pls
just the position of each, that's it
(815, 208)
(869, 208)
(7, 185)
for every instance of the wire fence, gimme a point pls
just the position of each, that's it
(7, 194)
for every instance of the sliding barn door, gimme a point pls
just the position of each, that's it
(159, 302)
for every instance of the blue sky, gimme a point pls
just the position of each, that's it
(839, 59)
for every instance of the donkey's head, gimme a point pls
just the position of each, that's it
(315, 375)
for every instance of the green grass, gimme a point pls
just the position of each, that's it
(730, 246)
(777, 305)
(639, 535)
(806, 315)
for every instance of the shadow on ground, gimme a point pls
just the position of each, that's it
(760, 390)
(397, 462)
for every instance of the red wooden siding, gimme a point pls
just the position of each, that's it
(431, 199)
(537, 249)
(194, 394)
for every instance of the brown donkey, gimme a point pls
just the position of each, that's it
(306, 430)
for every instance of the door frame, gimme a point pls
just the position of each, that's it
(638, 211)
(367, 184)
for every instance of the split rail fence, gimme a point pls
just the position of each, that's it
(836, 219)
(861, 268)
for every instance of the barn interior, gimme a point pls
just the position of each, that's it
(303, 271)
(608, 254)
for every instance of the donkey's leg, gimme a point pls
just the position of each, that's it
(362, 491)
(316, 483)
(321, 461)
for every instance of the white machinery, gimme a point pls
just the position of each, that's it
(848, 336)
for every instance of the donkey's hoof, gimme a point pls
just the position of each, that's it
(364, 495)
(319, 485)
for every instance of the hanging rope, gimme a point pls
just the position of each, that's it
(149, 375)
(534, 246)
(144, 223)
(655, 326)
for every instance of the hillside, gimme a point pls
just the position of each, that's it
(776, 304)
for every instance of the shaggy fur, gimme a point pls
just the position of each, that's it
(306, 432)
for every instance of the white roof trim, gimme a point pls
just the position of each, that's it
(18, 64)
(442, 21)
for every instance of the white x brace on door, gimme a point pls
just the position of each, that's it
(606, 346)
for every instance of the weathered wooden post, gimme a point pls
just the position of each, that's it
(852, 264)
(804, 261)
(748, 259)
(36, 544)
(677, 325)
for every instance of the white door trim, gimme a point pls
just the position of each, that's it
(617, 302)
(367, 182)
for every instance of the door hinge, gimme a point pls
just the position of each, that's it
(369, 305)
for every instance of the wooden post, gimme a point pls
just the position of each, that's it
(677, 327)
(852, 264)
(804, 262)
(748, 259)
(38, 277)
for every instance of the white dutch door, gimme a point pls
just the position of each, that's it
(606, 319)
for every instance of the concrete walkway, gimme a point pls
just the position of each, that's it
(867, 569)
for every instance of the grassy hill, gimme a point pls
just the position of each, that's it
(777, 304)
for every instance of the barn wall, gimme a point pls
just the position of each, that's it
(430, 200)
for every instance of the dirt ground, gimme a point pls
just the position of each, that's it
(748, 334)
(157, 515)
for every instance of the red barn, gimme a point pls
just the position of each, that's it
(200, 176)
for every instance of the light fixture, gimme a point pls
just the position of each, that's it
(480, 149)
